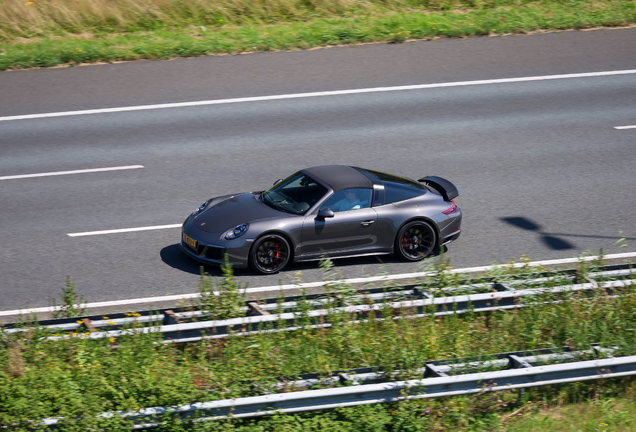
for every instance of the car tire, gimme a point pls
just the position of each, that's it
(270, 254)
(415, 241)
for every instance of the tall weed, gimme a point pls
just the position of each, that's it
(224, 299)
(71, 302)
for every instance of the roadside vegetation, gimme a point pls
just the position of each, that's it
(78, 378)
(43, 33)
(70, 302)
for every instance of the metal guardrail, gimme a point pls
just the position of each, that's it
(497, 296)
(437, 368)
(524, 370)
(508, 298)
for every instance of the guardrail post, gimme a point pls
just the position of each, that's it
(580, 278)
(502, 287)
(518, 363)
(602, 352)
(577, 276)
(254, 309)
(433, 371)
(340, 300)
(89, 326)
(423, 294)
(169, 317)
(344, 377)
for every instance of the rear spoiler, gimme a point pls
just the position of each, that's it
(443, 186)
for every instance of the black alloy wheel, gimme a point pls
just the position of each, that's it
(270, 254)
(415, 241)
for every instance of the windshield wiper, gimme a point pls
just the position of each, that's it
(270, 203)
(275, 206)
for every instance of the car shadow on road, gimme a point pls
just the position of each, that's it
(172, 256)
(175, 258)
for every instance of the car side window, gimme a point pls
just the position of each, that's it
(348, 199)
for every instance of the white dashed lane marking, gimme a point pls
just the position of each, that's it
(124, 230)
(59, 173)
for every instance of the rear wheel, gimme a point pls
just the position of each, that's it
(415, 241)
(270, 254)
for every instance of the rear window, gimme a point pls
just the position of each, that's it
(395, 192)
(396, 188)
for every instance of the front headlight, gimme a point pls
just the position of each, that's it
(202, 207)
(237, 231)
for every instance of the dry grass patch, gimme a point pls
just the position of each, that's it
(20, 18)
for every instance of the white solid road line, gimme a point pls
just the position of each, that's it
(316, 94)
(82, 171)
(124, 230)
(625, 127)
(178, 297)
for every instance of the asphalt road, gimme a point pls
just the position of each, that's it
(541, 169)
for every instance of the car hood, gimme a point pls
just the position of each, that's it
(241, 208)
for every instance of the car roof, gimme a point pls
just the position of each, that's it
(339, 177)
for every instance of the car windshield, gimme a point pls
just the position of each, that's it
(296, 194)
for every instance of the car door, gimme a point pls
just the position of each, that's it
(350, 230)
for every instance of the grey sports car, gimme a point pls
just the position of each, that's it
(330, 211)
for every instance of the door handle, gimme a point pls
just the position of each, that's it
(367, 223)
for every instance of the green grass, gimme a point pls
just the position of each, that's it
(79, 378)
(611, 413)
(195, 38)
(611, 409)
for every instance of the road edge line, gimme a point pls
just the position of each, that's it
(178, 297)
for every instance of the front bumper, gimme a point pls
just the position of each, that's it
(237, 251)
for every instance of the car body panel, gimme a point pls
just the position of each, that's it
(347, 230)
(235, 210)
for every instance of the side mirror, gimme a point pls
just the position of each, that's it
(277, 181)
(325, 213)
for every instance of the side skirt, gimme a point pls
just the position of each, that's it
(321, 258)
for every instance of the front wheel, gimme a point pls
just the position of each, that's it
(270, 254)
(415, 241)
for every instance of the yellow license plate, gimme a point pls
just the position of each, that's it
(192, 242)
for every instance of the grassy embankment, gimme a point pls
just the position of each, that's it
(53, 32)
(79, 378)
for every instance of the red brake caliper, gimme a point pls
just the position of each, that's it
(277, 252)
(405, 243)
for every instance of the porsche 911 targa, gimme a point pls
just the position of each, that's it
(332, 211)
